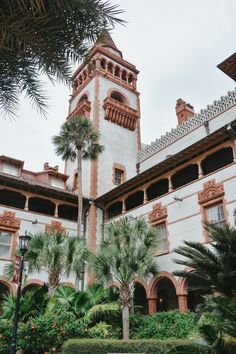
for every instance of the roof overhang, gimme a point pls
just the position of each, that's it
(228, 66)
(170, 163)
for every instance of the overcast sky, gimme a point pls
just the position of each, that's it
(176, 45)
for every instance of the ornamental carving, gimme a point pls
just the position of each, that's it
(120, 114)
(158, 213)
(9, 221)
(56, 226)
(83, 109)
(211, 190)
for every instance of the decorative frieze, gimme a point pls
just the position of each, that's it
(218, 107)
(158, 213)
(56, 226)
(9, 221)
(211, 190)
(120, 114)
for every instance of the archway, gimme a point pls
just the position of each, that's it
(166, 295)
(195, 295)
(140, 299)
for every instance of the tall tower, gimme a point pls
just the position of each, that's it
(104, 90)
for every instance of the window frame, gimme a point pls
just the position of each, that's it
(156, 225)
(9, 223)
(120, 168)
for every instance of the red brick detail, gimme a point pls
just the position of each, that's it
(183, 111)
(152, 306)
(9, 221)
(83, 109)
(56, 226)
(183, 305)
(211, 190)
(120, 114)
(158, 213)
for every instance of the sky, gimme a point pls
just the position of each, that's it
(175, 44)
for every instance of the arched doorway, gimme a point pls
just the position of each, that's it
(140, 300)
(30, 287)
(166, 295)
(4, 290)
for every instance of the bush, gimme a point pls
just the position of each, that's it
(164, 325)
(42, 334)
(99, 346)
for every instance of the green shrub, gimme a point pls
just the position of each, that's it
(164, 325)
(42, 334)
(99, 346)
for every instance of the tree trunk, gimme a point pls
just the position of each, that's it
(80, 196)
(53, 280)
(125, 321)
(124, 300)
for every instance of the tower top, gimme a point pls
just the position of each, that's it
(105, 40)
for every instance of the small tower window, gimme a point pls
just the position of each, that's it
(119, 176)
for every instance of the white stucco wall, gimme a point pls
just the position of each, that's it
(184, 217)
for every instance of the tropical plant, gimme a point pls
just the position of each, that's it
(32, 304)
(46, 37)
(213, 266)
(56, 254)
(78, 141)
(92, 305)
(126, 252)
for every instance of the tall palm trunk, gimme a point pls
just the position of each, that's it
(124, 300)
(53, 280)
(80, 196)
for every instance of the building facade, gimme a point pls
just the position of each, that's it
(178, 181)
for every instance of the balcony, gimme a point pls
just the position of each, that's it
(120, 114)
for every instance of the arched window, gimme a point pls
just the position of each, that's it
(118, 97)
(110, 68)
(117, 71)
(103, 64)
(217, 160)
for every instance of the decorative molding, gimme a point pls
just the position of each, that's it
(158, 213)
(83, 109)
(211, 190)
(56, 226)
(211, 111)
(9, 221)
(120, 114)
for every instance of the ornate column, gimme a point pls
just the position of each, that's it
(152, 305)
(145, 199)
(26, 208)
(200, 172)
(170, 184)
(56, 211)
(182, 300)
(123, 206)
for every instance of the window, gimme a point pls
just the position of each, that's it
(119, 175)
(162, 245)
(57, 182)
(216, 215)
(5, 244)
(10, 169)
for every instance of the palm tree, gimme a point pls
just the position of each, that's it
(46, 37)
(78, 140)
(57, 255)
(126, 252)
(214, 266)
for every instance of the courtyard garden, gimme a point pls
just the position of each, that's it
(104, 318)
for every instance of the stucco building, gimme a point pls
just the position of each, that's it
(184, 177)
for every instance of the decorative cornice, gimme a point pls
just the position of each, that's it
(158, 213)
(120, 114)
(83, 109)
(9, 221)
(211, 190)
(56, 226)
(211, 111)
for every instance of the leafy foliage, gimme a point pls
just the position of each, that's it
(214, 266)
(163, 325)
(88, 346)
(33, 303)
(57, 255)
(45, 37)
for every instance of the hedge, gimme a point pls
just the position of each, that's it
(101, 346)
